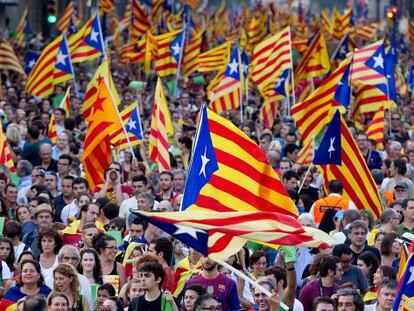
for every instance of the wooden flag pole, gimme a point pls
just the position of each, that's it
(250, 281)
(304, 178)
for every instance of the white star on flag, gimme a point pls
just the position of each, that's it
(379, 61)
(187, 230)
(176, 48)
(94, 35)
(61, 58)
(331, 147)
(279, 82)
(234, 65)
(31, 63)
(245, 68)
(131, 124)
(411, 279)
(204, 161)
(342, 51)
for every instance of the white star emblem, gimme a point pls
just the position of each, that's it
(234, 65)
(379, 61)
(187, 230)
(411, 279)
(245, 68)
(331, 147)
(31, 63)
(131, 124)
(61, 58)
(204, 161)
(342, 51)
(94, 35)
(176, 48)
(279, 82)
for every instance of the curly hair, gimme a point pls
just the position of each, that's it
(70, 272)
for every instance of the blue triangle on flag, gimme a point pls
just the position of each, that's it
(233, 68)
(330, 151)
(176, 47)
(134, 124)
(343, 91)
(280, 86)
(245, 63)
(63, 62)
(30, 60)
(203, 163)
(95, 38)
(376, 61)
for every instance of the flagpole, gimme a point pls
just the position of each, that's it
(250, 281)
(241, 88)
(292, 77)
(177, 75)
(121, 121)
(304, 178)
(72, 70)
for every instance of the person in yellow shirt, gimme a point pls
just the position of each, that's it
(88, 213)
(389, 223)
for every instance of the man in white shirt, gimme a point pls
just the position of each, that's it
(386, 297)
(139, 185)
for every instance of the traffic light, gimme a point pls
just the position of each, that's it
(392, 12)
(51, 11)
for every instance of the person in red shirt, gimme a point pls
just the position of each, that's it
(162, 248)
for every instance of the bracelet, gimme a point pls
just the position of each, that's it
(291, 269)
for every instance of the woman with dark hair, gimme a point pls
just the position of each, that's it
(50, 243)
(7, 252)
(30, 283)
(383, 273)
(105, 245)
(398, 169)
(369, 264)
(90, 266)
(113, 304)
(390, 250)
(191, 293)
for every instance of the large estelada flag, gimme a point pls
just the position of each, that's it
(229, 172)
(404, 300)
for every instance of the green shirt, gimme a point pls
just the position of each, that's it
(403, 229)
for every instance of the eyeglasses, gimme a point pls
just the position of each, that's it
(67, 258)
(395, 119)
(210, 308)
(114, 169)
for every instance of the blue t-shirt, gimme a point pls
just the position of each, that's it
(15, 294)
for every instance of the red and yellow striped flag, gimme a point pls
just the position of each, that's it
(184, 271)
(65, 105)
(192, 52)
(375, 130)
(9, 60)
(5, 154)
(305, 155)
(214, 59)
(256, 29)
(167, 54)
(139, 21)
(410, 31)
(326, 23)
(342, 24)
(268, 112)
(21, 28)
(368, 32)
(315, 62)
(270, 59)
(161, 128)
(103, 72)
(314, 112)
(103, 120)
(358, 184)
(64, 21)
(40, 80)
(105, 6)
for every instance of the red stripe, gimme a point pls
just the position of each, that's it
(275, 47)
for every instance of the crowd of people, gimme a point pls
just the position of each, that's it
(65, 246)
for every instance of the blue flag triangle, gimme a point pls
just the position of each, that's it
(245, 63)
(63, 62)
(233, 68)
(134, 124)
(376, 61)
(329, 151)
(95, 38)
(176, 47)
(280, 86)
(343, 91)
(203, 163)
(30, 60)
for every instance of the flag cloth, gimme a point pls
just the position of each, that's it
(342, 24)
(40, 80)
(132, 123)
(191, 53)
(268, 113)
(410, 31)
(103, 120)
(68, 15)
(242, 179)
(358, 184)
(139, 21)
(312, 114)
(64, 104)
(63, 65)
(405, 254)
(219, 235)
(161, 128)
(404, 300)
(315, 62)
(5, 153)
(8, 305)
(169, 50)
(329, 151)
(326, 23)
(270, 59)
(23, 28)
(214, 59)
(368, 64)
(183, 272)
(227, 95)
(87, 44)
(9, 60)
(103, 72)
(30, 59)
(375, 130)
(105, 6)
(368, 32)
(305, 155)
(345, 46)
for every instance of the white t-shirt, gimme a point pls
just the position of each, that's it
(70, 210)
(126, 207)
(48, 272)
(18, 250)
(6, 274)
